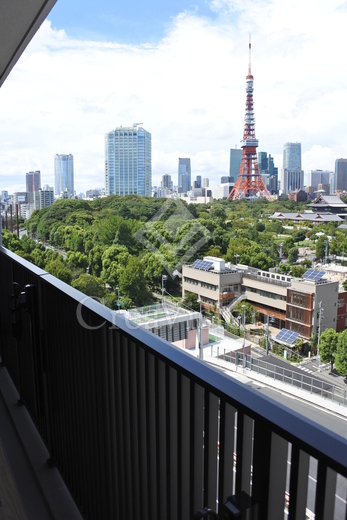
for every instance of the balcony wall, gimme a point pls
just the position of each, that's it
(141, 429)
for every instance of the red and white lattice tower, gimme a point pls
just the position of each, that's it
(249, 182)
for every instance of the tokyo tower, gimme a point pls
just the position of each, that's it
(249, 182)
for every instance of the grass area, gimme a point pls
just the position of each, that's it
(212, 338)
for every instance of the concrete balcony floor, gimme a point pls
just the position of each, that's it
(29, 489)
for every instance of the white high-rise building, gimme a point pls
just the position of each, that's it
(128, 161)
(292, 156)
(64, 175)
(292, 176)
(46, 196)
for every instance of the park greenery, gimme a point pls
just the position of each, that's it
(130, 242)
(125, 244)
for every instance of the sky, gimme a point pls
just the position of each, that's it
(179, 68)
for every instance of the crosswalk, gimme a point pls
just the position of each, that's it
(313, 370)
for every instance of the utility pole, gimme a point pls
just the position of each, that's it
(326, 252)
(200, 333)
(163, 278)
(267, 332)
(244, 337)
(320, 316)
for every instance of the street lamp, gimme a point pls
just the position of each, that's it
(118, 302)
(200, 332)
(244, 336)
(320, 316)
(163, 278)
(267, 332)
(239, 318)
(236, 257)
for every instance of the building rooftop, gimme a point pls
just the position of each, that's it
(310, 216)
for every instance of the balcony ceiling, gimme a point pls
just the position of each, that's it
(19, 21)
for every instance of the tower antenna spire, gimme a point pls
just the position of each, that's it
(249, 60)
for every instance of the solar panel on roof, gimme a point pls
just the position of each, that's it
(288, 336)
(312, 274)
(202, 264)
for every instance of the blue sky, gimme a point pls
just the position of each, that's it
(132, 21)
(180, 69)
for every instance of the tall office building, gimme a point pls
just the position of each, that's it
(64, 175)
(128, 161)
(184, 168)
(33, 181)
(166, 181)
(263, 162)
(292, 156)
(341, 174)
(205, 182)
(315, 177)
(185, 180)
(292, 180)
(292, 176)
(33, 184)
(268, 171)
(235, 162)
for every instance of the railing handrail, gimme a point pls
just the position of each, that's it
(290, 422)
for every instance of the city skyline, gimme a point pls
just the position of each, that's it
(63, 100)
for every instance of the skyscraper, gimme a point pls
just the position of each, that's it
(292, 156)
(33, 184)
(33, 181)
(184, 167)
(235, 162)
(292, 176)
(341, 174)
(128, 161)
(185, 179)
(64, 175)
(166, 181)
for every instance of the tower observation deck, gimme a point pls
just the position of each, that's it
(249, 182)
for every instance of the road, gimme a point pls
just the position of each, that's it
(329, 420)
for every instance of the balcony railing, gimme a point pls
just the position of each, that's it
(141, 429)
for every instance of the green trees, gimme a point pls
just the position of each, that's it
(327, 346)
(90, 285)
(132, 283)
(293, 255)
(57, 268)
(251, 312)
(298, 270)
(341, 354)
(190, 301)
(320, 248)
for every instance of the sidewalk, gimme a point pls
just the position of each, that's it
(245, 375)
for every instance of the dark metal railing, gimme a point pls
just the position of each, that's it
(141, 429)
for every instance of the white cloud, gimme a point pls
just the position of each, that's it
(188, 91)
